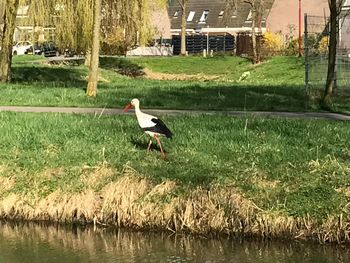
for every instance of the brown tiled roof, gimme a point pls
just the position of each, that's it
(214, 20)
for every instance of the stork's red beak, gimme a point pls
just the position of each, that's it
(127, 107)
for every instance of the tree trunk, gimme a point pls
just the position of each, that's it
(183, 27)
(255, 53)
(332, 52)
(9, 18)
(87, 61)
(95, 52)
(259, 18)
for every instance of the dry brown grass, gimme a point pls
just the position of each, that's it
(135, 202)
(6, 179)
(95, 177)
(149, 74)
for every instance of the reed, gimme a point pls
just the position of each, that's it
(138, 203)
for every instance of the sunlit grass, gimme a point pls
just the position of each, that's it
(298, 167)
(38, 84)
(277, 70)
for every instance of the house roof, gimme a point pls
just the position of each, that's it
(219, 14)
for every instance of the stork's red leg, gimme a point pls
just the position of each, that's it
(160, 146)
(149, 145)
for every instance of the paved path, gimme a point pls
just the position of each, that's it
(109, 111)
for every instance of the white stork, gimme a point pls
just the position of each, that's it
(151, 125)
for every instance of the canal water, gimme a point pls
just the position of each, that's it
(33, 243)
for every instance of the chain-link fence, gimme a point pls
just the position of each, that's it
(316, 40)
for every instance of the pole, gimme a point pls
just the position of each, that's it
(306, 44)
(208, 41)
(299, 39)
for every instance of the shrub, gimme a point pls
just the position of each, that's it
(323, 45)
(272, 41)
(291, 48)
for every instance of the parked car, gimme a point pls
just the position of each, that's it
(37, 50)
(48, 49)
(21, 48)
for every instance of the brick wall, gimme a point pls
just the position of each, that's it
(286, 12)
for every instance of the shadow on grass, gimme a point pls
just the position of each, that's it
(212, 96)
(239, 97)
(142, 144)
(117, 62)
(339, 103)
(122, 66)
(50, 76)
(168, 94)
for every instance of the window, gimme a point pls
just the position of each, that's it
(176, 14)
(249, 17)
(221, 14)
(204, 16)
(190, 16)
(22, 11)
(234, 13)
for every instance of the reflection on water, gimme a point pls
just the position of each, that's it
(21, 243)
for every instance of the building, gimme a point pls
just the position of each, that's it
(215, 17)
(280, 16)
(344, 36)
(284, 15)
(161, 22)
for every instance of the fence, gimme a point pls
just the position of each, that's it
(245, 45)
(316, 39)
(197, 43)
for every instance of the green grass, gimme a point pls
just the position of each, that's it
(278, 70)
(224, 66)
(27, 58)
(274, 85)
(293, 167)
(37, 84)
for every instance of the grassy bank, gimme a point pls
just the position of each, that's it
(229, 83)
(274, 85)
(267, 177)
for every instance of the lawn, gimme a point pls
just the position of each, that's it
(273, 85)
(289, 168)
(293, 167)
(218, 83)
(275, 71)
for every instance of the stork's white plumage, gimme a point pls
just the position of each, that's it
(151, 125)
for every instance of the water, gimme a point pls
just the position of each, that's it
(22, 243)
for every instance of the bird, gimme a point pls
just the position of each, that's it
(151, 125)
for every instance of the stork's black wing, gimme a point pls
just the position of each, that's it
(160, 128)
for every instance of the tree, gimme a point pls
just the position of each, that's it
(335, 7)
(76, 29)
(183, 5)
(2, 9)
(72, 19)
(9, 19)
(95, 51)
(126, 23)
(257, 11)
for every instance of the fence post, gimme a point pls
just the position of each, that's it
(335, 83)
(208, 40)
(225, 43)
(306, 47)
